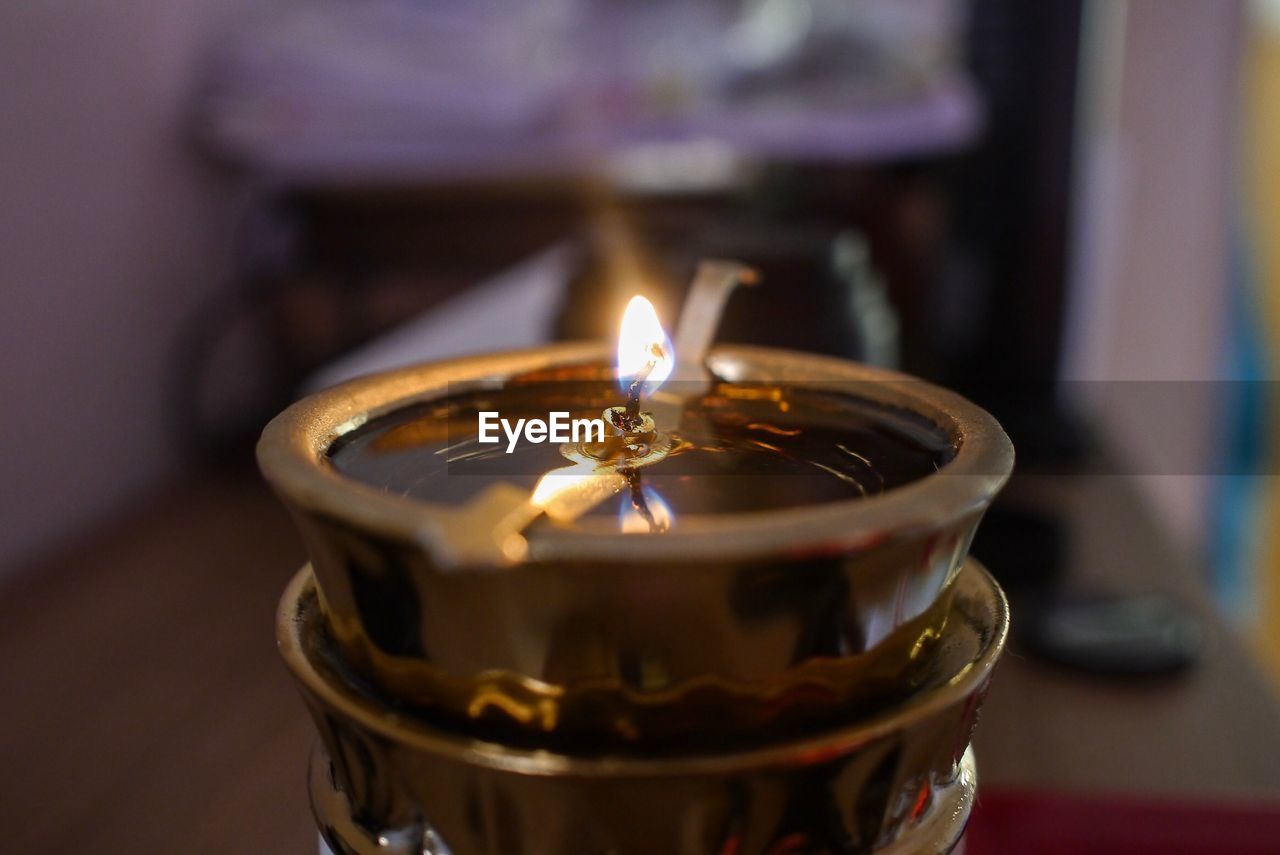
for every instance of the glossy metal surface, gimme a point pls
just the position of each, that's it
(936, 832)
(388, 783)
(718, 628)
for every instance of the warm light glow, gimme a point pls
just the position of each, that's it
(566, 494)
(642, 340)
(557, 482)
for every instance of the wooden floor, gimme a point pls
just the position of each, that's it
(144, 709)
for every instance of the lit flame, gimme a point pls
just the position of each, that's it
(642, 341)
(633, 521)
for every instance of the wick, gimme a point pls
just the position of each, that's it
(630, 418)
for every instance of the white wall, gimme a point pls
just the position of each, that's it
(1159, 108)
(111, 230)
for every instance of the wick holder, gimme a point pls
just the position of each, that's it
(628, 443)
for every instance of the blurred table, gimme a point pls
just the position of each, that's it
(1212, 733)
(146, 710)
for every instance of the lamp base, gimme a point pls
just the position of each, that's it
(901, 781)
(939, 832)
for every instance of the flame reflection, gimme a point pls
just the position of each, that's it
(568, 493)
(645, 513)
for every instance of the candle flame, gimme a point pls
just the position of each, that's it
(643, 342)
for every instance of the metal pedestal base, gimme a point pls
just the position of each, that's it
(938, 832)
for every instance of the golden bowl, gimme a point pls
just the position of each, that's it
(722, 628)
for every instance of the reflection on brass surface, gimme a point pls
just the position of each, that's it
(705, 711)
(494, 647)
(867, 784)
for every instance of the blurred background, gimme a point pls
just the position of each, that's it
(1066, 209)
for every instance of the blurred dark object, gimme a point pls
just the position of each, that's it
(1012, 194)
(1118, 636)
(1145, 635)
(1052, 437)
(1007, 278)
(1072, 620)
(1029, 548)
(321, 270)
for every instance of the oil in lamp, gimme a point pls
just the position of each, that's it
(742, 619)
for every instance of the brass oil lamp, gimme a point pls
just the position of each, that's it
(741, 619)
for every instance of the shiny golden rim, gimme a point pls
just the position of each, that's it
(293, 450)
(422, 737)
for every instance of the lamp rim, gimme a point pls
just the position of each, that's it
(295, 445)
